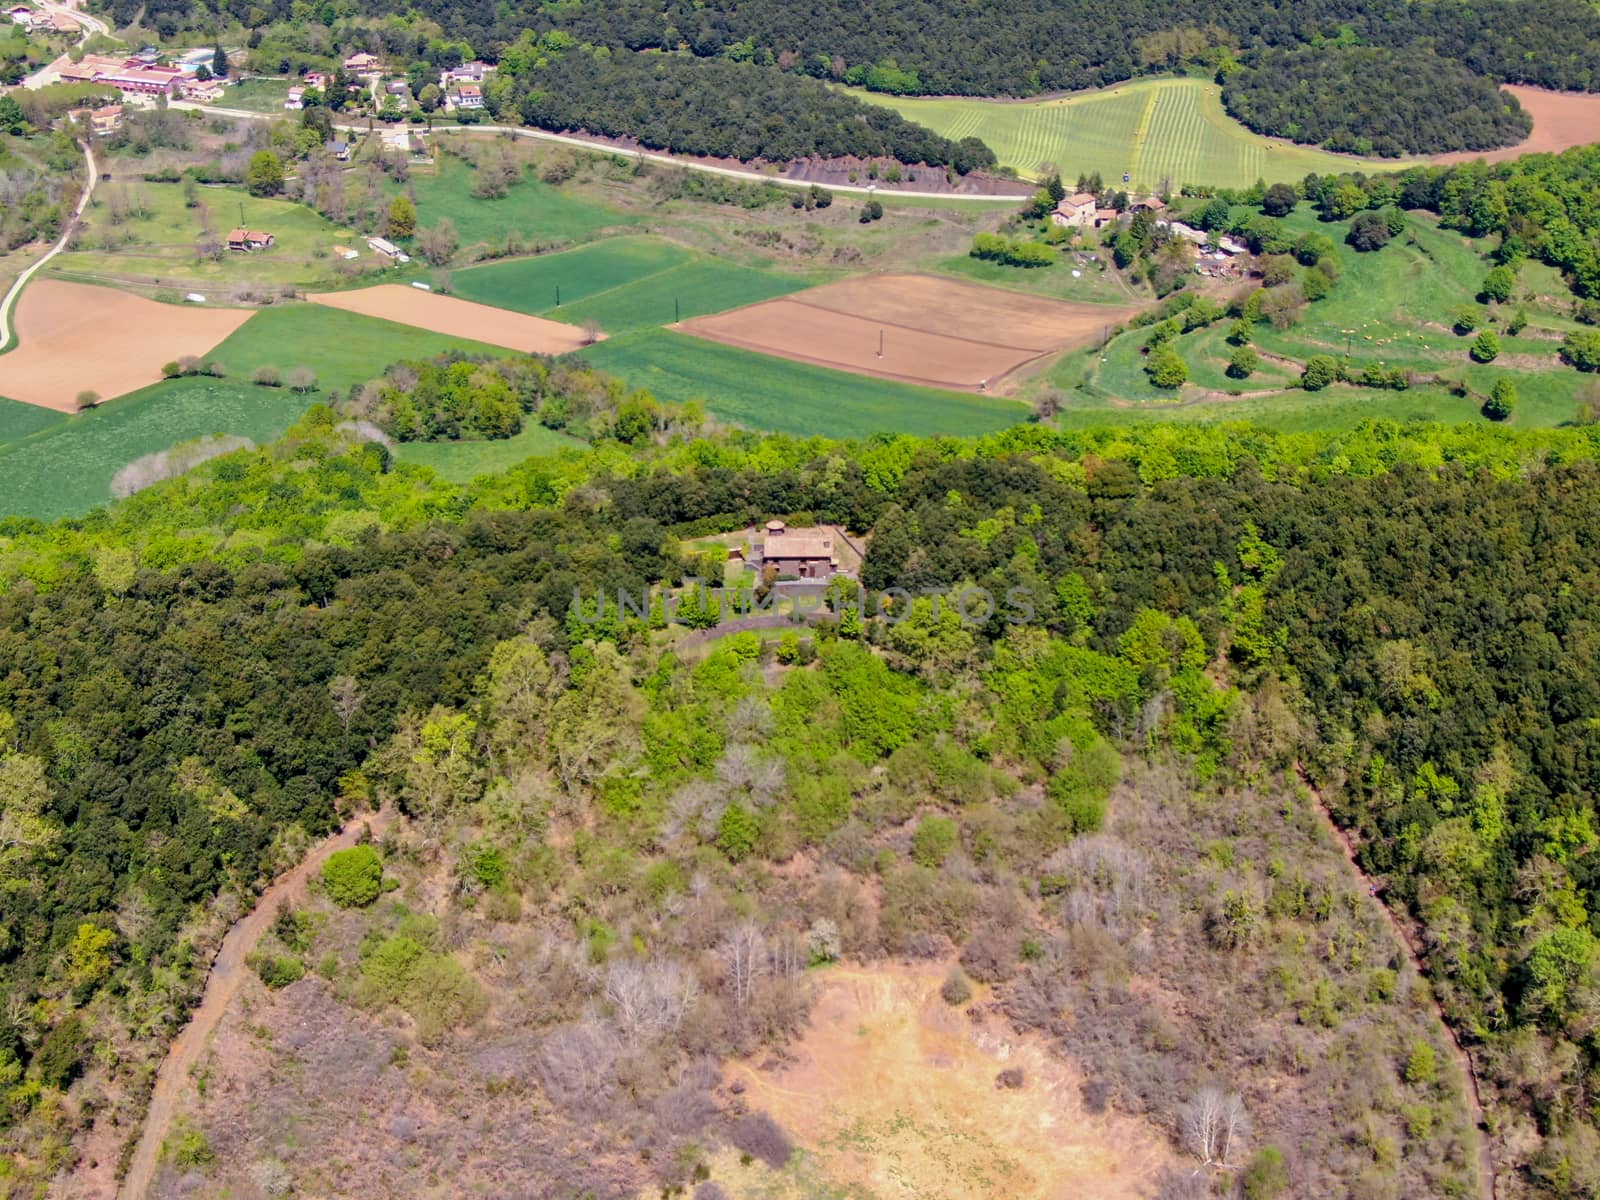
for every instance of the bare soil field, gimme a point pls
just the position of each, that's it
(457, 318)
(893, 1094)
(915, 328)
(1561, 120)
(74, 338)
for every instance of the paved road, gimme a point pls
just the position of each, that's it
(540, 135)
(8, 302)
(227, 973)
(51, 72)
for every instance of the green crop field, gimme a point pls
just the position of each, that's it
(1163, 132)
(343, 348)
(67, 469)
(760, 392)
(154, 239)
(532, 209)
(624, 284)
(54, 466)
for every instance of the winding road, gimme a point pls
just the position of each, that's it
(227, 973)
(9, 300)
(597, 147)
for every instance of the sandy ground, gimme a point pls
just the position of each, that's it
(914, 328)
(73, 337)
(228, 971)
(1561, 120)
(458, 318)
(893, 1094)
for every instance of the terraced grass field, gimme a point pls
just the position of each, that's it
(1163, 133)
(624, 284)
(532, 209)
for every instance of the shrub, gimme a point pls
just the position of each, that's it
(1498, 285)
(1518, 322)
(1242, 363)
(171, 370)
(1279, 200)
(1369, 231)
(955, 991)
(276, 971)
(60, 1056)
(1166, 368)
(1320, 371)
(1239, 332)
(934, 839)
(190, 1148)
(1485, 347)
(737, 832)
(301, 379)
(353, 877)
(759, 1136)
(87, 398)
(1266, 1178)
(1502, 400)
(266, 376)
(1011, 1079)
(1467, 320)
(1422, 1065)
(1315, 284)
(1582, 350)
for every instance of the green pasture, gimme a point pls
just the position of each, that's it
(531, 209)
(761, 392)
(154, 239)
(1163, 132)
(18, 420)
(256, 95)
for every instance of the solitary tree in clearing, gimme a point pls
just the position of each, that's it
(301, 379)
(87, 398)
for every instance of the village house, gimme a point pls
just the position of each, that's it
(316, 79)
(203, 93)
(1106, 216)
(467, 95)
(388, 249)
(339, 149)
(21, 14)
(801, 553)
(249, 240)
(361, 64)
(1153, 204)
(98, 121)
(296, 99)
(1076, 211)
(471, 72)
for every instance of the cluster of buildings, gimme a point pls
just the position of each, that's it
(462, 86)
(1082, 210)
(144, 76)
(41, 22)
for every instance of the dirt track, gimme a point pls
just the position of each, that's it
(458, 318)
(73, 337)
(226, 975)
(913, 328)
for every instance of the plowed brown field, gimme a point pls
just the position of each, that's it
(458, 318)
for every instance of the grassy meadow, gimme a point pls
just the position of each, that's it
(1162, 132)
(460, 462)
(531, 209)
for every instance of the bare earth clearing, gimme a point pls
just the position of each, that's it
(915, 328)
(1561, 120)
(73, 337)
(893, 1092)
(457, 318)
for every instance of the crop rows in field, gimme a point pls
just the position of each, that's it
(1171, 131)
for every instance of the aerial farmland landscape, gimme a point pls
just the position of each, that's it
(633, 598)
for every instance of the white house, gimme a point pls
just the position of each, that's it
(296, 99)
(468, 95)
(1076, 211)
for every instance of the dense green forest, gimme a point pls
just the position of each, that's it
(719, 108)
(195, 680)
(1363, 100)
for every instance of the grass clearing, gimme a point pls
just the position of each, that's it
(460, 462)
(1162, 132)
(761, 392)
(18, 420)
(256, 95)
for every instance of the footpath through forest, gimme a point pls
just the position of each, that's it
(222, 983)
(1487, 1185)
